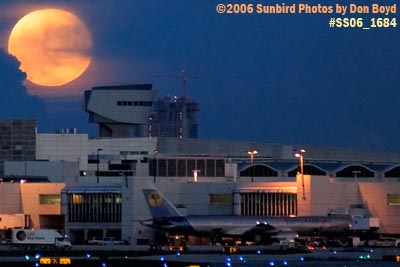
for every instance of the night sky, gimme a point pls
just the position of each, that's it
(286, 79)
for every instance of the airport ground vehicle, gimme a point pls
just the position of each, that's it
(107, 241)
(384, 242)
(95, 241)
(43, 238)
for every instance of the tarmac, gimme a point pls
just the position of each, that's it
(196, 257)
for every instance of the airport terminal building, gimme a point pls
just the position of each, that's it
(89, 187)
(99, 183)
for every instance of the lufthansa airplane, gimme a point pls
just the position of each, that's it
(167, 218)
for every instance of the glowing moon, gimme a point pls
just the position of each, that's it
(52, 45)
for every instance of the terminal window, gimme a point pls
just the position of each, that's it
(94, 207)
(393, 199)
(173, 167)
(355, 171)
(216, 199)
(308, 170)
(259, 171)
(268, 204)
(393, 173)
(49, 199)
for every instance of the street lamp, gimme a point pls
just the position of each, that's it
(98, 161)
(300, 156)
(251, 154)
(155, 152)
(356, 175)
(195, 175)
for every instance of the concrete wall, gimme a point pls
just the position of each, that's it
(63, 147)
(10, 198)
(30, 200)
(55, 171)
(326, 194)
(8, 221)
(374, 195)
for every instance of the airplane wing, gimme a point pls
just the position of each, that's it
(237, 231)
(259, 229)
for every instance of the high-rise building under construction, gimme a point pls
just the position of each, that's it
(133, 111)
(174, 117)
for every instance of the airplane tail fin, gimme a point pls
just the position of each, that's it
(159, 205)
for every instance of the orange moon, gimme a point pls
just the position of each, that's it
(53, 46)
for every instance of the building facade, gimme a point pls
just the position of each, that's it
(106, 198)
(174, 117)
(93, 187)
(17, 140)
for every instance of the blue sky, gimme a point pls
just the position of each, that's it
(286, 79)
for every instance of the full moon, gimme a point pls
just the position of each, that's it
(53, 46)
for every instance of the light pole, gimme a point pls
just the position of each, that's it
(98, 161)
(155, 152)
(356, 175)
(251, 154)
(195, 175)
(300, 156)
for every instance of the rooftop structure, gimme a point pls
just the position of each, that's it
(119, 110)
(131, 111)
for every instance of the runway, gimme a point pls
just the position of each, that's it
(364, 257)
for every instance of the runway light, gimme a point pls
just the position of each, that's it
(301, 258)
(178, 254)
(88, 255)
(258, 251)
(271, 263)
(104, 264)
(162, 258)
(165, 264)
(241, 258)
(362, 257)
(37, 256)
(37, 264)
(285, 263)
(27, 257)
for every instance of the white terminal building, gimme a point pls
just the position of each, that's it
(93, 187)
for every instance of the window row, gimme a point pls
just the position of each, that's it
(186, 167)
(354, 171)
(218, 199)
(113, 173)
(135, 103)
(94, 207)
(393, 199)
(268, 204)
(50, 199)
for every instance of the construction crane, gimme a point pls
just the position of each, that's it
(183, 77)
